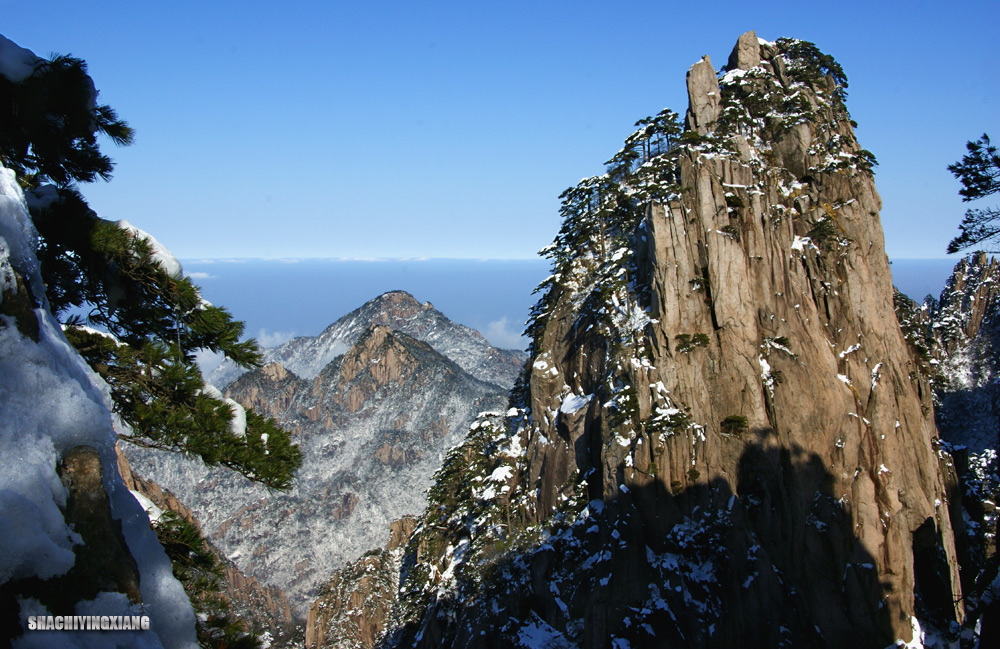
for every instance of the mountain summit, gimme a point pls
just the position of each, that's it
(373, 423)
(399, 311)
(723, 439)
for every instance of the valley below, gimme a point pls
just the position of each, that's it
(374, 408)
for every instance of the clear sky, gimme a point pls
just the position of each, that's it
(448, 129)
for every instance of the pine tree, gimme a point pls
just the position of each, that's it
(979, 172)
(197, 567)
(154, 318)
(600, 213)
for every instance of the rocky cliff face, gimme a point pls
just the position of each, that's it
(723, 439)
(373, 425)
(355, 606)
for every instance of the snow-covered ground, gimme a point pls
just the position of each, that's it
(51, 402)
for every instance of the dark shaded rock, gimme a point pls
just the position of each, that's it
(19, 304)
(400, 531)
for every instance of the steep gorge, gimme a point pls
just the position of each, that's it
(260, 608)
(956, 338)
(723, 438)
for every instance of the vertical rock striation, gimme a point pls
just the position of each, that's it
(723, 438)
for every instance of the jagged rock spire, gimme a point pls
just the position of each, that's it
(722, 441)
(703, 96)
(746, 54)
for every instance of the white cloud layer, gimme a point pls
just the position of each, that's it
(267, 339)
(504, 335)
(208, 360)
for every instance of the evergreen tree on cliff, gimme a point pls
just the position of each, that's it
(127, 284)
(979, 172)
(719, 439)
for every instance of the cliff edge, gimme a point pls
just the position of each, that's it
(722, 438)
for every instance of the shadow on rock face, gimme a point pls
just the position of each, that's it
(765, 558)
(103, 562)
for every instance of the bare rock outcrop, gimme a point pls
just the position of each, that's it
(381, 360)
(400, 531)
(266, 607)
(724, 439)
(272, 393)
(746, 54)
(355, 607)
(703, 96)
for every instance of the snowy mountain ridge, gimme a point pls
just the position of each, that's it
(373, 425)
(306, 356)
(965, 327)
(54, 408)
(958, 335)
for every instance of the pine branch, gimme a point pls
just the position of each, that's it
(978, 226)
(979, 173)
(978, 170)
(160, 395)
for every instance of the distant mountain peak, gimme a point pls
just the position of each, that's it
(373, 424)
(306, 356)
(390, 306)
(401, 298)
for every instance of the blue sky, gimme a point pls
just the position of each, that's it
(448, 129)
